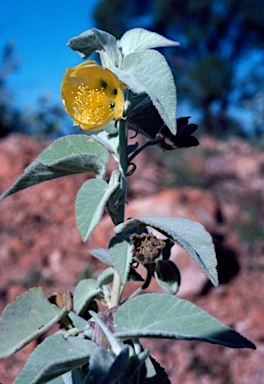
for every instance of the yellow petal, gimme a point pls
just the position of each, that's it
(92, 95)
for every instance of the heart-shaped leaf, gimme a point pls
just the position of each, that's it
(28, 317)
(165, 316)
(55, 356)
(90, 203)
(66, 156)
(139, 39)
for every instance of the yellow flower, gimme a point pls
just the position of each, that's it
(92, 95)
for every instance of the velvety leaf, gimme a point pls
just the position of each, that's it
(66, 156)
(94, 40)
(121, 256)
(104, 368)
(159, 376)
(118, 367)
(116, 345)
(55, 356)
(138, 71)
(84, 292)
(135, 363)
(78, 321)
(28, 317)
(99, 365)
(106, 277)
(139, 39)
(110, 141)
(167, 276)
(165, 316)
(58, 380)
(73, 377)
(189, 234)
(90, 203)
(102, 255)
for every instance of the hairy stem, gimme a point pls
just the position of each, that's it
(117, 285)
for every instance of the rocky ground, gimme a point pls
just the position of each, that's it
(218, 184)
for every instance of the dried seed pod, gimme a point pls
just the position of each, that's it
(146, 247)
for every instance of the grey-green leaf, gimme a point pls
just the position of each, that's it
(110, 141)
(139, 39)
(28, 317)
(121, 255)
(90, 203)
(55, 356)
(165, 316)
(106, 277)
(66, 156)
(167, 276)
(189, 234)
(101, 254)
(148, 72)
(94, 40)
(84, 292)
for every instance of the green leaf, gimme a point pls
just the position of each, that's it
(28, 317)
(148, 72)
(94, 40)
(165, 316)
(139, 39)
(110, 141)
(84, 292)
(75, 376)
(66, 156)
(79, 322)
(101, 254)
(135, 363)
(167, 276)
(118, 367)
(189, 234)
(116, 344)
(99, 365)
(90, 203)
(104, 368)
(120, 252)
(58, 380)
(156, 374)
(105, 277)
(55, 356)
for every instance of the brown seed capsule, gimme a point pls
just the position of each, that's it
(146, 247)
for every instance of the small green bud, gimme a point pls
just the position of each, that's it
(168, 276)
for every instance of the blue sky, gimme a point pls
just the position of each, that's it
(40, 30)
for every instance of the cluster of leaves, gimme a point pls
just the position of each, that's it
(217, 40)
(104, 347)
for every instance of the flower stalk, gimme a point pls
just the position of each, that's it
(123, 164)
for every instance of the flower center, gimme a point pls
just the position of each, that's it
(91, 105)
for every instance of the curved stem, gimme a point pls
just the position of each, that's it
(144, 146)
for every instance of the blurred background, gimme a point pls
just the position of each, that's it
(218, 71)
(218, 67)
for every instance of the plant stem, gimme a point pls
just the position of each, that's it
(117, 284)
(145, 285)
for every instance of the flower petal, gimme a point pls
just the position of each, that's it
(92, 95)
